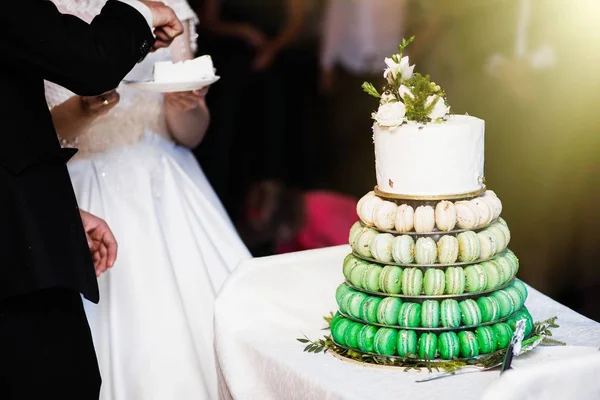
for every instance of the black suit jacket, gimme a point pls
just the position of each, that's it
(42, 242)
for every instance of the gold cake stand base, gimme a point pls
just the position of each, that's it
(459, 196)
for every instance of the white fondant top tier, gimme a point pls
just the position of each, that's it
(194, 70)
(430, 160)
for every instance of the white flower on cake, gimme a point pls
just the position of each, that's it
(394, 68)
(390, 114)
(405, 91)
(440, 110)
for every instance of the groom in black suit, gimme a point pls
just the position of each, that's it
(46, 262)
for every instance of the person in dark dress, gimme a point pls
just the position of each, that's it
(249, 42)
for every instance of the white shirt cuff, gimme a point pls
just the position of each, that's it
(142, 9)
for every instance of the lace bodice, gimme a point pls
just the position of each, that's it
(138, 112)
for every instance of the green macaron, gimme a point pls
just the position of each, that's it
(427, 346)
(370, 308)
(490, 309)
(386, 340)
(338, 330)
(430, 314)
(469, 310)
(390, 279)
(357, 273)
(351, 335)
(447, 249)
(523, 313)
(354, 303)
(494, 274)
(516, 296)
(362, 244)
(389, 310)
(486, 339)
(450, 313)
(434, 282)
(410, 315)
(475, 279)
(334, 321)
(499, 234)
(520, 286)
(370, 278)
(503, 334)
(412, 282)
(345, 300)
(340, 292)
(469, 347)
(455, 280)
(448, 345)
(366, 338)
(507, 268)
(403, 249)
(407, 343)
(355, 230)
(425, 251)
(349, 263)
(468, 246)
(506, 303)
(515, 261)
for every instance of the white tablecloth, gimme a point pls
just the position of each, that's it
(269, 302)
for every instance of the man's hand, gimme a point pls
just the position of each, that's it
(101, 240)
(166, 24)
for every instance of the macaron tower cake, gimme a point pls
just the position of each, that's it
(430, 276)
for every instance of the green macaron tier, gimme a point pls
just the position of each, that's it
(427, 313)
(432, 281)
(425, 345)
(446, 294)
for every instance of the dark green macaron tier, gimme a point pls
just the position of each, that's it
(424, 345)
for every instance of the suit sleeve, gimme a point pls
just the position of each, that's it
(87, 59)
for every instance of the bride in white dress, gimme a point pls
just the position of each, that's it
(153, 328)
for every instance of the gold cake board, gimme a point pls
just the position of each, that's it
(460, 196)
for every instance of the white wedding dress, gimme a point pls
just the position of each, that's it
(153, 328)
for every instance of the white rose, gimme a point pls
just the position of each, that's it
(390, 114)
(439, 109)
(387, 98)
(405, 91)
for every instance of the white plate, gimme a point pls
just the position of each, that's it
(170, 87)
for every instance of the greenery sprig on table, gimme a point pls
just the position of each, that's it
(541, 333)
(407, 96)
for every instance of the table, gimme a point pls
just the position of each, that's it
(269, 302)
